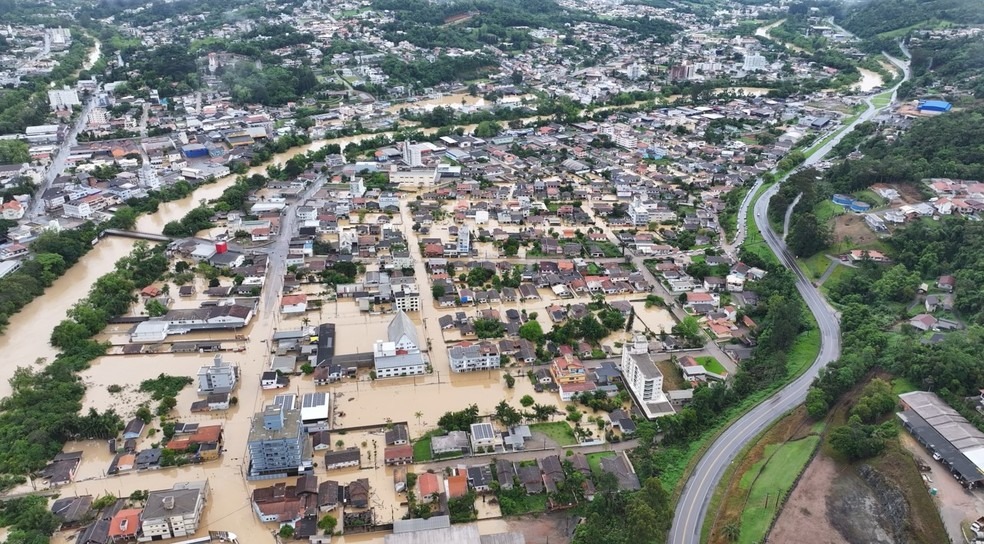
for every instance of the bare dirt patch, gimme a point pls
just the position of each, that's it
(556, 527)
(805, 512)
(852, 227)
(909, 193)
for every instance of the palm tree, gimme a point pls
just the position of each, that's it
(418, 414)
(731, 531)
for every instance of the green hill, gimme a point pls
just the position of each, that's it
(881, 17)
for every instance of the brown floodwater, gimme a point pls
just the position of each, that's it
(26, 339)
(419, 401)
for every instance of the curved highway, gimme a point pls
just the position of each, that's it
(692, 506)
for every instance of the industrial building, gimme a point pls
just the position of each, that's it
(946, 434)
(934, 106)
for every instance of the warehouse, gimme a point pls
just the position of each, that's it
(934, 106)
(946, 434)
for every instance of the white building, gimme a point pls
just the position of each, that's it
(219, 377)
(638, 212)
(644, 379)
(174, 512)
(406, 297)
(464, 240)
(63, 98)
(754, 62)
(413, 177)
(399, 354)
(483, 436)
(468, 356)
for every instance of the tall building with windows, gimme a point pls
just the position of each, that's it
(644, 379)
(464, 241)
(278, 446)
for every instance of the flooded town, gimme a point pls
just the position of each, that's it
(247, 253)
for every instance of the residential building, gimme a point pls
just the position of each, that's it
(453, 442)
(174, 512)
(567, 369)
(644, 379)
(277, 444)
(484, 437)
(406, 297)
(469, 356)
(349, 457)
(220, 377)
(464, 241)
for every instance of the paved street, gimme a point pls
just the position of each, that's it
(692, 506)
(57, 165)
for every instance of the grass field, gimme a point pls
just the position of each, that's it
(422, 450)
(558, 431)
(882, 100)
(754, 242)
(902, 385)
(766, 469)
(711, 364)
(594, 460)
(769, 478)
(815, 266)
(519, 503)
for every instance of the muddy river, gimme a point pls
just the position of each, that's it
(869, 80)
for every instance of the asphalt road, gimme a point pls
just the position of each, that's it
(692, 506)
(58, 163)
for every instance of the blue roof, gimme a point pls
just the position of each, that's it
(940, 105)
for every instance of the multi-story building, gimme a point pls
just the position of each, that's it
(638, 212)
(406, 297)
(399, 354)
(277, 444)
(464, 240)
(174, 512)
(753, 62)
(567, 369)
(469, 356)
(644, 379)
(219, 377)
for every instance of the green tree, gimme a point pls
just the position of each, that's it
(328, 524)
(14, 152)
(807, 235)
(488, 129)
(856, 440)
(591, 329)
(532, 331)
(489, 328)
(155, 308)
(526, 401)
(816, 403)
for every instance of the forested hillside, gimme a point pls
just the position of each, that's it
(469, 24)
(944, 146)
(938, 63)
(873, 17)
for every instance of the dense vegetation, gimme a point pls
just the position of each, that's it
(938, 63)
(868, 19)
(470, 24)
(943, 146)
(444, 69)
(42, 412)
